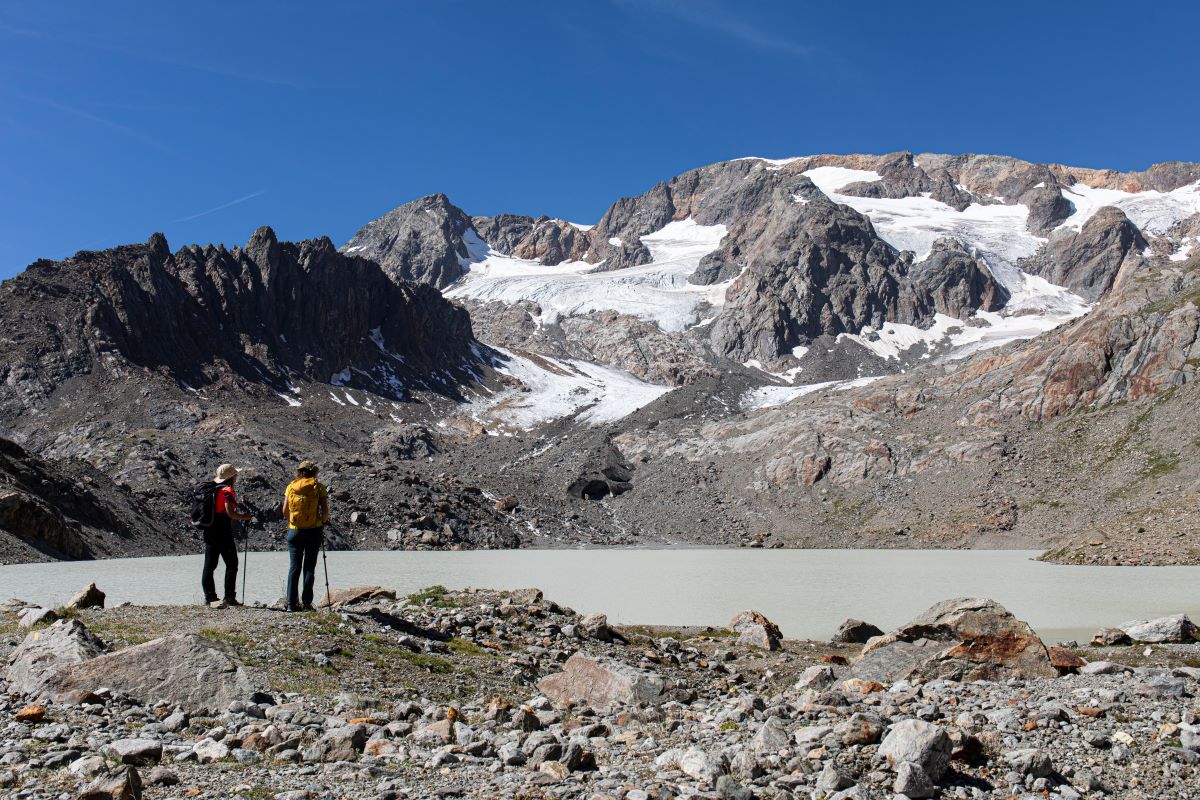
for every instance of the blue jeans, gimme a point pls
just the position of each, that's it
(303, 547)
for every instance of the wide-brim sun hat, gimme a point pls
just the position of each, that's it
(308, 466)
(225, 472)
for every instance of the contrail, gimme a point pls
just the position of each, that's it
(250, 196)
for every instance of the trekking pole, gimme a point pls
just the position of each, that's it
(325, 563)
(245, 559)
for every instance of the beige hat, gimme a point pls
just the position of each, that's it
(308, 466)
(226, 472)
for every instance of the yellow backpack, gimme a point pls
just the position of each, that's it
(304, 504)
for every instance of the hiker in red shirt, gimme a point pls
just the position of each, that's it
(219, 543)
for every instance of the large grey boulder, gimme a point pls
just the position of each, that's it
(197, 674)
(965, 638)
(1176, 628)
(36, 659)
(922, 743)
(601, 683)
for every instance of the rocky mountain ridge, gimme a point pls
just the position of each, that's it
(708, 363)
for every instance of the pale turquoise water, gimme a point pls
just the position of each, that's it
(807, 592)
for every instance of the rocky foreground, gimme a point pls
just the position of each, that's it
(506, 694)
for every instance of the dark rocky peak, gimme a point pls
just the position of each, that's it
(1107, 250)
(616, 239)
(957, 283)
(811, 268)
(550, 241)
(425, 241)
(269, 313)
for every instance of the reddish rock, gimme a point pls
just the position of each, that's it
(1064, 660)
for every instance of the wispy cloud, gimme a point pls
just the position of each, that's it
(716, 17)
(220, 70)
(133, 133)
(221, 207)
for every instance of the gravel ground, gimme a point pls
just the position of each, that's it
(437, 695)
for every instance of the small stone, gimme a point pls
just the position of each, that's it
(34, 713)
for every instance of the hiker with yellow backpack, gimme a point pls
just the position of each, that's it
(306, 509)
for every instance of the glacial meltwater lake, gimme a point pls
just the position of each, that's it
(808, 593)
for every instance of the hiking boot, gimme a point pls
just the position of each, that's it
(307, 607)
(293, 608)
(232, 601)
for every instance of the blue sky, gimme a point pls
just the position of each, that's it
(206, 120)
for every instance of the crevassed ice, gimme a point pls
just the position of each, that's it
(564, 388)
(656, 292)
(1151, 211)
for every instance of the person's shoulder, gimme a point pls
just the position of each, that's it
(322, 488)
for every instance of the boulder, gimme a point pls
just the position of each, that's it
(1065, 661)
(123, 784)
(1176, 628)
(919, 742)
(601, 683)
(209, 751)
(965, 638)
(197, 674)
(855, 631)
(35, 660)
(770, 738)
(87, 597)
(135, 752)
(755, 629)
(595, 626)
(701, 767)
(340, 744)
(36, 616)
(816, 677)
(912, 781)
(1110, 637)
(337, 598)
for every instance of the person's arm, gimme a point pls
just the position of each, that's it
(231, 508)
(284, 508)
(324, 507)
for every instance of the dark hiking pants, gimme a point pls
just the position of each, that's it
(303, 547)
(219, 545)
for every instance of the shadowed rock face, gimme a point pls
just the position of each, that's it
(549, 241)
(422, 241)
(68, 509)
(957, 283)
(1108, 249)
(271, 311)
